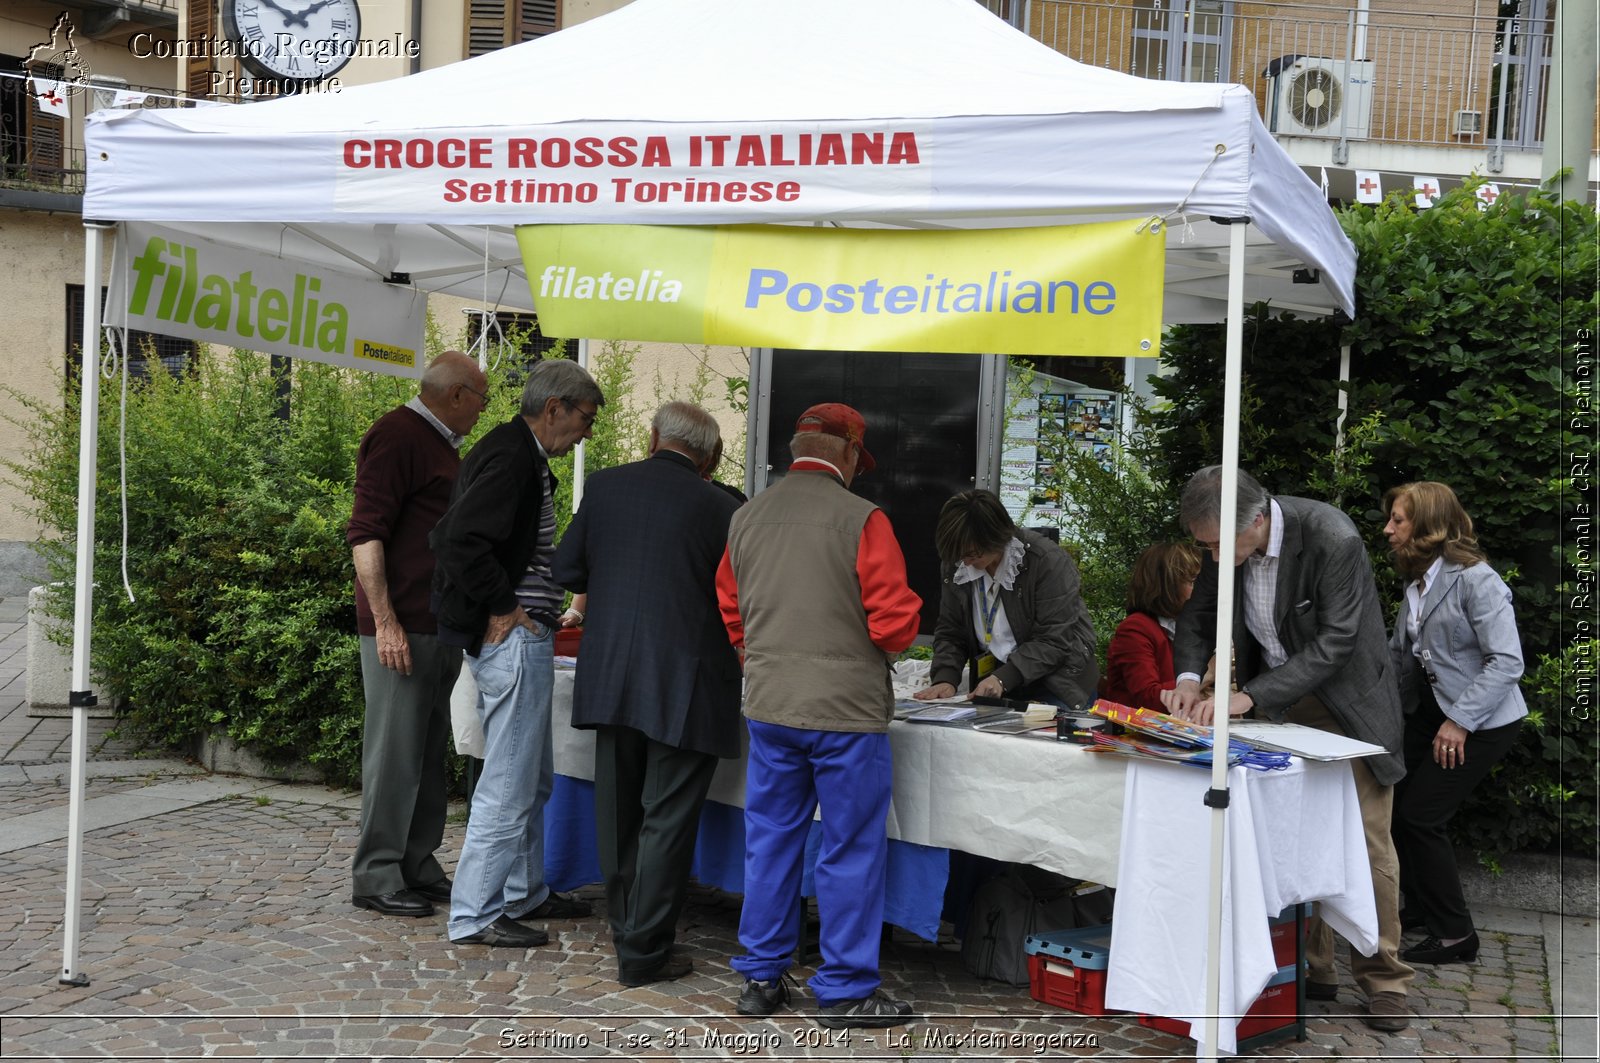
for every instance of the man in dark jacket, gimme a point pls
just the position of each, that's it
(657, 679)
(1311, 648)
(494, 597)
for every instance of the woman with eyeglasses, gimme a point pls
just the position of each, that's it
(1458, 658)
(1011, 606)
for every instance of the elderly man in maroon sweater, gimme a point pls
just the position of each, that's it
(405, 470)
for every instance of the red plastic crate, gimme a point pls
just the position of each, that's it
(1273, 1009)
(1056, 982)
(1283, 942)
(567, 639)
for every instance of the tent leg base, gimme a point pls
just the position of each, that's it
(79, 980)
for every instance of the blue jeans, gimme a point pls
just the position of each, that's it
(501, 870)
(790, 771)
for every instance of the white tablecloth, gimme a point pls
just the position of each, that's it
(1292, 836)
(1044, 803)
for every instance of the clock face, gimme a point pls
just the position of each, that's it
(297, 40)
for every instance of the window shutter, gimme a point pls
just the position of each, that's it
(539, 18)
(488, 25)
(203, 26)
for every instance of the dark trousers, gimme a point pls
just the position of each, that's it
(403, 799)
(1424, 803)
(647, 801)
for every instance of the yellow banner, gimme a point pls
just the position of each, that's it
(1071, 289)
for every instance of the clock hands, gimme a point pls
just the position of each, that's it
(290, 18)
(318, 6)
(293, 18)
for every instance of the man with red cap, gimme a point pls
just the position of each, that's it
(813, 591)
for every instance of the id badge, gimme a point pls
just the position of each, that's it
(987, 664)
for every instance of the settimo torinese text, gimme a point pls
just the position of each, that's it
(998, 292)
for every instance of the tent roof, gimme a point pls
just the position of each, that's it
(1008, 132)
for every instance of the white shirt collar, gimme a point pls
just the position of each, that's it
(1005, 573)
(417, 405)
(1275, 533)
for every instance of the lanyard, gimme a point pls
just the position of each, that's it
(988, 607)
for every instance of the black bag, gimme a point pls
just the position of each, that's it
(1019, 901)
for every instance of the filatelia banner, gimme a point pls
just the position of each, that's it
(181, 285)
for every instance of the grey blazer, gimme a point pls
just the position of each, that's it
(1328, 619)
(1469, 634)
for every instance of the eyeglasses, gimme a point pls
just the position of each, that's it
(588, 418)
(475, 391)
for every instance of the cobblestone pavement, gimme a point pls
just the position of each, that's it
(216, 922)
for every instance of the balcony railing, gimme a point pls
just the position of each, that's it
(1416, 77)
(44, 152)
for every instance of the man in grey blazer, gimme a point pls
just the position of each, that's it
(1309, 647)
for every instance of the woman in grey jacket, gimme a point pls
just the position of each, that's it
(1010, 604)
(1458, 657)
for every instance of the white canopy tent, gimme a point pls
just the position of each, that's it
(417, 180)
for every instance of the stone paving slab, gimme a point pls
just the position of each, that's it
(225, 928)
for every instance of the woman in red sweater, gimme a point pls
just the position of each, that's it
(1139, 659)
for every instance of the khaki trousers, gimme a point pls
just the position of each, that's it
(1383, 971)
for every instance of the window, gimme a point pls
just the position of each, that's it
(493, 24)
(1200, 31)
(521, 334)
(176, 355)
(32, 143)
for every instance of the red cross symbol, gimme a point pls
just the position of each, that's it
(53, 99)
(1487, 194)
(1369, 186)
(1429, 189)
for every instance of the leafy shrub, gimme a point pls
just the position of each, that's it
(1543, 794)
(243, 614)
(1460, 372)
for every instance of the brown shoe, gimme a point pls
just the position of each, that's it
(1387, 1012)
(1322, 990)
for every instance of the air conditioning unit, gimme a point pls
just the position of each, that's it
(1320, 97)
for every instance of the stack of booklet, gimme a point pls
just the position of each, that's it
(1158, 736)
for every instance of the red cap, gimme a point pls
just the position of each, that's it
(837, 419)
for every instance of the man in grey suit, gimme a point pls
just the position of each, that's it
(657, 679)
(1310, 647)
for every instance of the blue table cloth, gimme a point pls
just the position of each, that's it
(917, 873)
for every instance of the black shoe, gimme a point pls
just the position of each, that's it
(401, 902)
(438, 892)
(556, 906)
(763, 998)
(872, 1012)
(1430, 951)
(1322, 990)
(671, 968)
(505, 933)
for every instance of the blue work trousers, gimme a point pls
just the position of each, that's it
(789, 772)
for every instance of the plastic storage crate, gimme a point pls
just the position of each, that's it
(1273, 1010)
(1067, 968)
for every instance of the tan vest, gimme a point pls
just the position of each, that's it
(808, 660)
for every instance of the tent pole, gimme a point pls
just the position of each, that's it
(81, 696)
(1217, 798)
(580, 451)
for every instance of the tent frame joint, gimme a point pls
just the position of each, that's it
(1215, 798)
(82, 699)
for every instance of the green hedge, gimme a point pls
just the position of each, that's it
(1462, 371)
(243, 612)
